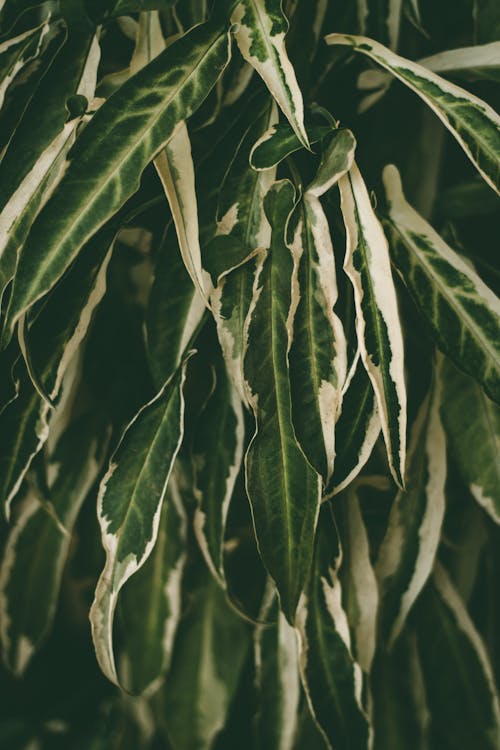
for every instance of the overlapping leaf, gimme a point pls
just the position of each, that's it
(17, 52)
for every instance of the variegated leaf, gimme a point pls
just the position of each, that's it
(463, 313)
(472, 425)
(407, 553)
(331, 678)
(210, 649)
(15, 53)
(458, 677)
(377, 319)
(129, 504)
(150, 601)
(260, 33)
(283, 489)
(479, 61)
(217, 457)
(277, 677)
(281, 141)
(337, 158)
(103, 170)
(359, 585)
(38, 544)
(474, 124)
(318, 352)
(357, 429)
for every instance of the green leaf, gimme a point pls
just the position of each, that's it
(17, 52)
(150, 601)
(283, 489)
(331, 678)
(279, 142)
(463, 313)
(486, 21)
(11, 10)
(103, 170)
(336, 159)
(318, 352)
(357, 429)
(381, 20)
(458, 677)
(377, 319)
(260, 33)
(210, 648)
(217, 458)
(472, 425)
(129, 504)
(406, 556)
(38, 545)
(474, 124)
(277, 677)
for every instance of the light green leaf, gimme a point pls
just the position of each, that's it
(463, 313)
(331, 678)
(16, 52)
(458, 677)
(318, 352)
(210, 650)
(129, 504)
(150, 601)
(336, 160)
(406, 556)
(377, 319)
(277, 677)
(472, 425)
(260, 33)
(283, 489)
(38, 543)
(103, 171)
(279, 142)
(217, 458)
(474, 124)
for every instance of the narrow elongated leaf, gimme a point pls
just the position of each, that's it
(218, 453)
(377, 320)
(17, 52)
(331, 678)
(474, 124)
(472, 424)
(37, 547)
(479, 61)
(129, 504)
(11, 10)
(284, 490)
(458, 677)
(463, 313)
(260, 34)
(277, 678)
(357, 429)
(150, 602)
(281, 141)
(336, 160)
(407, 553)
(381, 21)
(103, 170)
(210, 649)
(318, 353)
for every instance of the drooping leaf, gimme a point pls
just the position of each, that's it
(318, 354)
(474, 124)
(477, 62)
(330, 676)
(407, 553)
(472, 425)
(377, 320)
(463, 313)
(458, 677)
(127, 132)
(217, 457)
(283, 489)
(336, 160)
(260, 34)
(129, 505)
(277, 677)
(281, 141)
(150, 601)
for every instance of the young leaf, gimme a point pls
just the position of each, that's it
(129, 504)
(127, 132)
(150, 601)
(260, 33)
(318, 353)
(283, 489)
(330, 676)
(472, 425)
(277, 677)
(377, 319)
(474, 124)
(407, 553)
(463, 313)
